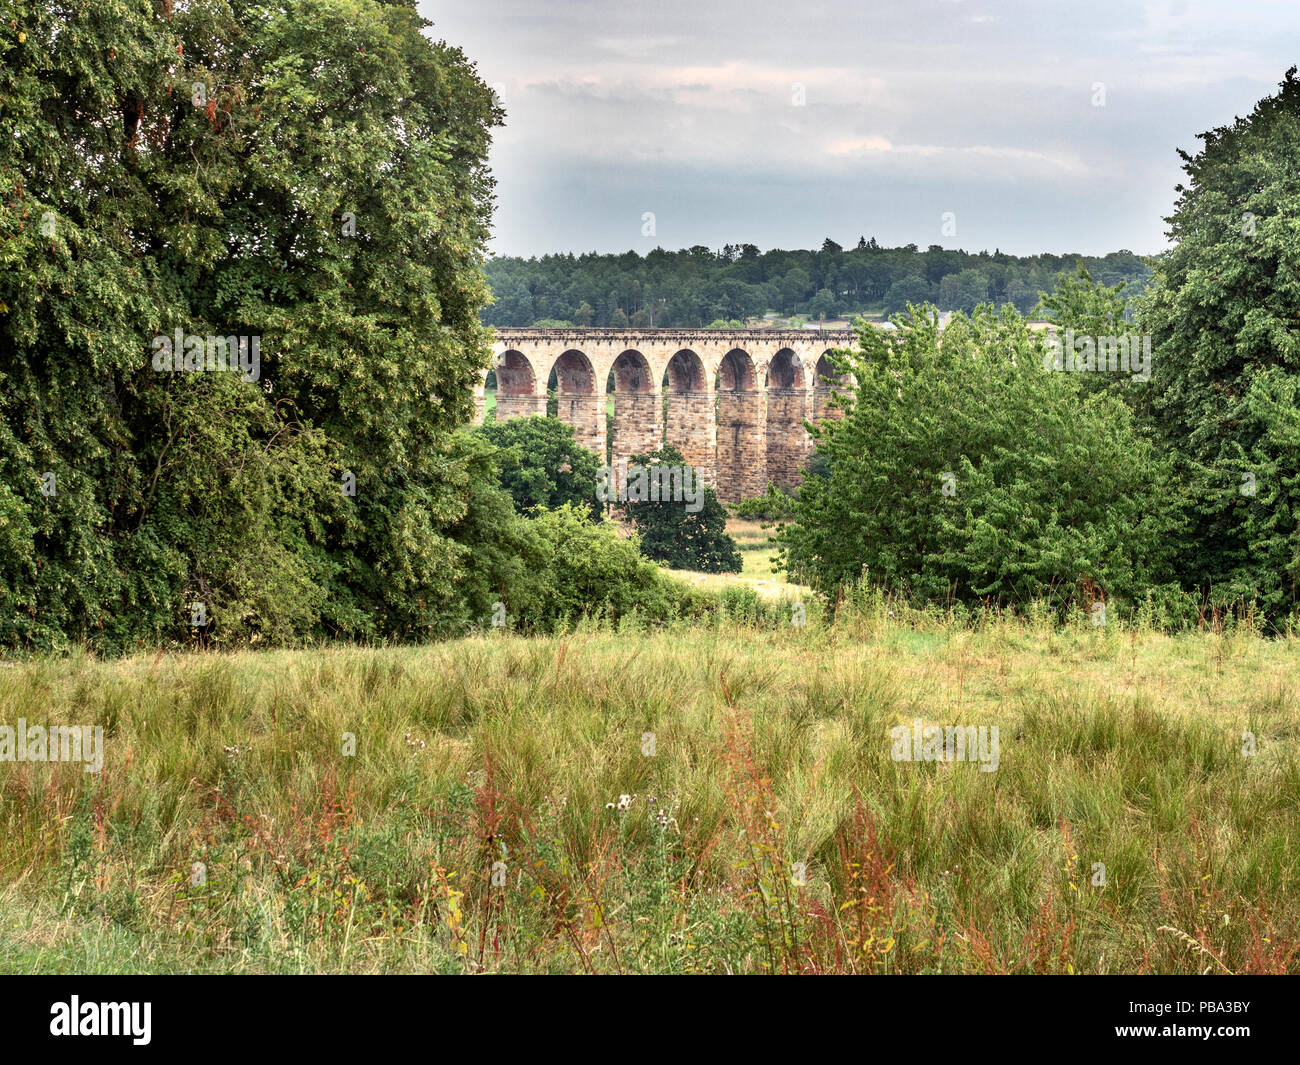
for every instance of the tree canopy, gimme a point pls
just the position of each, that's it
(696, 286)
(311, 175)
(965, 471)
(542, 465)
(1222, 312)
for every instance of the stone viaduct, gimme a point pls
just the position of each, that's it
(732, 402)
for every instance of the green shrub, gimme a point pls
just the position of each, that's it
(579, 568)
(742, 603)
(673, 534)
(775, 505)
(964, 470)
(542, 465)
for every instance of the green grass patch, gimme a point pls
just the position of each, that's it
(767, 830)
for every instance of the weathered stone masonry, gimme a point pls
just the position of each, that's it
(733, 402)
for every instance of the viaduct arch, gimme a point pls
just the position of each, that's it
(733, 402)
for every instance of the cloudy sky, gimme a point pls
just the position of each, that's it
(1037, 125)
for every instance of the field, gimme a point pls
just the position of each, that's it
(717, 799)
(756, 553)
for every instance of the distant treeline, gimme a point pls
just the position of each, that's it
(698, 286)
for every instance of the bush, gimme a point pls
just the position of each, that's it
(965, 470)
(776, 505)
(542, 465)
(548, 568)
(586, 569)
(741, 603)
(675, 536)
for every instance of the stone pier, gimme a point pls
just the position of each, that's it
(638, 409)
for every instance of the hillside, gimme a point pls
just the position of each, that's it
(696, 287)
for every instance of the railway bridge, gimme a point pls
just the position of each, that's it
(733, 402)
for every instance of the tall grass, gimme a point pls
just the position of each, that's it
(499, 813)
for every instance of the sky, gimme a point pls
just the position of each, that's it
(1021, 125)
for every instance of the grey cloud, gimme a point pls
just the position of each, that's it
(913, 107)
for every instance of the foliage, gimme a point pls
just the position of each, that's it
(965, 471)
(1081, 307)
(671, 532)
(1080, 303)
(547, 569)
(589, 570)
(1226, 339)
(701, 288)
(775, 504)
(312, 175)
(542, 465)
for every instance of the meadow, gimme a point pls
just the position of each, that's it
(752, 539)
(718, 798)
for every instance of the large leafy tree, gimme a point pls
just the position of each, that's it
(312, 174)
(1223, 315)
(965, 470)
(671, 531)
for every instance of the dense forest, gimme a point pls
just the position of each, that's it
(697, 287)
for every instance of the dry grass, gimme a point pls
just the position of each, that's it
(771, 748)
(756, 553)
